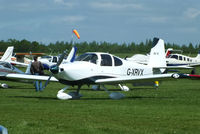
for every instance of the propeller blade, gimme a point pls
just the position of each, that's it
(54, 69)
(47, 82)
(61, 58)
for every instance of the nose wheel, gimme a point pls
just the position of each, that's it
(67, 96)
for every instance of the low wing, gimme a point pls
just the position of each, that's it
(187, 76)
(18, 63)
(175, 67)
(125, 79)
(29, 77)
(193, 64)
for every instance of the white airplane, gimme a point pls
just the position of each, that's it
(173, 60)
(180, 59)
(6, 67)
(139, 58)
(48, 61)
(7, 57)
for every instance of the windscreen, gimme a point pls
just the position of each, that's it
(87, 57)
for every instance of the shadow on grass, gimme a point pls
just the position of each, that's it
(132, 89)
(128, 98)
(20, 87)
(148, 97)
(102, 98)
(34, 97)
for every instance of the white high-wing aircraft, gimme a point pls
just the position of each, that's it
(103, 68)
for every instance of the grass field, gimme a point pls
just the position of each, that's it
(173, 108)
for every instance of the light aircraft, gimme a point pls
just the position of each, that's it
(173, 60)
(105, 69)
(176, 59)
(7, 57)
(139, 58)
(48, 61)
(6, 67)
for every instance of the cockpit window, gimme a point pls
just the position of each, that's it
(54, 59)
(87, 57)
(118, 62)
(106, 60)
(6, 65)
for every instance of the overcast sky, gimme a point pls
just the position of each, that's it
(175, 21)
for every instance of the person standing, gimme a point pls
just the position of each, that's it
(37, 69)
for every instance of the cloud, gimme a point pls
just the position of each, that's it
(73, 19)
(62, 2)
(187, 29)
(156, 19)
(115, 6)
(69, 19)
(192, 13)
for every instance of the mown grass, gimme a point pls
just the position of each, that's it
(173, 108)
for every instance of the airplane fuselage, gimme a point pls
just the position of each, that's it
(179, 59)
(99, 66)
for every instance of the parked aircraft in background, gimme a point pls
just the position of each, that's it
(180, 59)
(48, 61)
(17, 58)
(173, 60)
(6, 67)
(7, 57)
(139, 58)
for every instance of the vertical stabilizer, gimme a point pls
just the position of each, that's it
(157, 54)
(8, 54)
(72, 54)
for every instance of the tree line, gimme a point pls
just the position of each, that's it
(60, 46)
